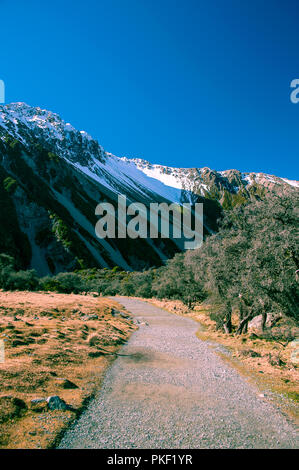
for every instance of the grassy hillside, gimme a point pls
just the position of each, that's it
(55, 344)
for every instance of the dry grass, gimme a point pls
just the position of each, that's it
(48, 337)
(266, 363)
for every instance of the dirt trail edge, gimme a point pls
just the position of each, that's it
(173, 391)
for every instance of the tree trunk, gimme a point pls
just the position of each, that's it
(227, 327)
(227, 324)
(264, 314)
(264, 319)
(242, 328)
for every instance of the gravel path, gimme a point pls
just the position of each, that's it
(175, 392)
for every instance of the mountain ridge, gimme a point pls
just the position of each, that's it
(52, 176)
(24, 113)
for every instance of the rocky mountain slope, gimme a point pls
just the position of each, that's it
(229, 187)
(52, 177)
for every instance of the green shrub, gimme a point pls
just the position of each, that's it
(21, 280)
(64, 282)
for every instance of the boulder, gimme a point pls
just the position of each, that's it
(56, 403)
(38, 405)
(256, 322)
(118, 313)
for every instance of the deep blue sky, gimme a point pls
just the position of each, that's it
(177, 82)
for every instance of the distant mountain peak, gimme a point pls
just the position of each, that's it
(29, 124)
(205, 177)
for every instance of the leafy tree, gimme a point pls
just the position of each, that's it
(176, 281)
(251, 263)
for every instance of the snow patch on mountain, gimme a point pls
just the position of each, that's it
(117, 172)
(291, 182)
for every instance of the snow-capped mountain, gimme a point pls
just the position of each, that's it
(201, 180)
(52, 176)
